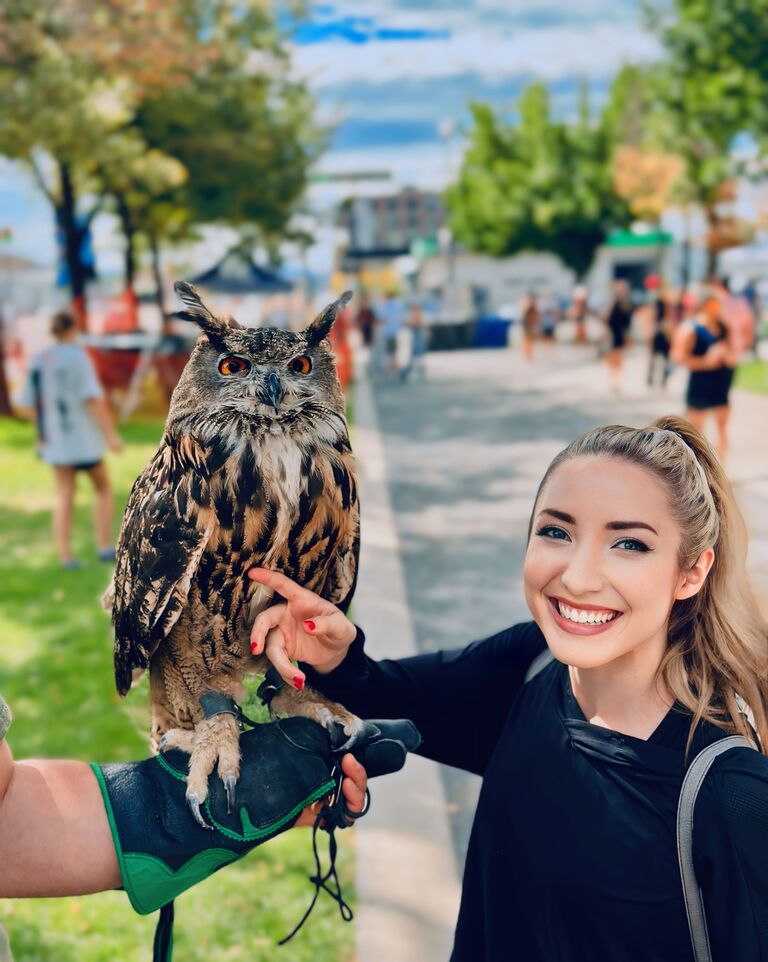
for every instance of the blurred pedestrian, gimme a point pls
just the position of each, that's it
(365, 320)
(662, 310)
(416, 327)
(531, 319)
(739, 318)
(578, 312)
(618, 321)
(702, 345)
(75, 427)
(392, 314)
(549, 317)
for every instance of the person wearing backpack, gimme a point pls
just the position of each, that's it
(635, 576)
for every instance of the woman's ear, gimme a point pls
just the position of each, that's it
(692, 580)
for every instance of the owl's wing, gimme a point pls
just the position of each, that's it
(342, 573)
(165, 529)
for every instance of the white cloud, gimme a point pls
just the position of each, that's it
(546, 53)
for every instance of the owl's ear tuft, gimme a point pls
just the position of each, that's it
(320, 328)
(199, 314)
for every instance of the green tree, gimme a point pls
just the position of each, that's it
(538, 184)
(711, 87)
(71, 75)
(117, 99)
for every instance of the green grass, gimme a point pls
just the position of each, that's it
(753, 376)
(56, 673)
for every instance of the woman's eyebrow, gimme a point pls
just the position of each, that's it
(611, 526)
(560, 515)
(624, 525)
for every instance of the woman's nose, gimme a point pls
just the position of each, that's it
(582, 573)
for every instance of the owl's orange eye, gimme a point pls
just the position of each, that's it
(301, 364)
(234, 365)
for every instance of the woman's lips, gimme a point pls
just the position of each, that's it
(577, 628)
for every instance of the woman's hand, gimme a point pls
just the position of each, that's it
(305, 628)
(353, 788)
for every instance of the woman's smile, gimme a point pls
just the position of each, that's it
(582, 619)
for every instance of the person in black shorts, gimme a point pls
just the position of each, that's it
(618, 321)
(635, 577)
(703, 347)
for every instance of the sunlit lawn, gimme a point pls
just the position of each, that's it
(753, 376)
(56, 673)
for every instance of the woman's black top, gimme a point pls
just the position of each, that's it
(708, 389)
(572, 856)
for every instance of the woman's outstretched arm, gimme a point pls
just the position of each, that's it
(457, 699)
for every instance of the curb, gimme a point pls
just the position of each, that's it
(407, 881)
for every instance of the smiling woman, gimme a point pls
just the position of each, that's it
(635, 576)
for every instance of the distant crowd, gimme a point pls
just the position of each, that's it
(708, 330)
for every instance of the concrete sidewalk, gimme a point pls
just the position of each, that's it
(449, 468)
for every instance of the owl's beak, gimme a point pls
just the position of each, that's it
(272, 391)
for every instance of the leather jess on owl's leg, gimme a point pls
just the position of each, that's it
(311, 704)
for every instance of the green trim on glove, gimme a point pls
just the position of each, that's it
(160, 848)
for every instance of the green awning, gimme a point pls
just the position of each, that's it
(627, 238)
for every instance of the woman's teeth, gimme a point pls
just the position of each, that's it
(582, 617)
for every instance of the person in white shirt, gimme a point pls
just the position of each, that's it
(75, 427)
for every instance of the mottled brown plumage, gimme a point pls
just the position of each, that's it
(254, 468)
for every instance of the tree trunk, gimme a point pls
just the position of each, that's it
(73, 238)
(713, 238)
(129, 233)
(157, 274)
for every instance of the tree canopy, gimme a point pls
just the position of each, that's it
(538, 184)
(180, 110)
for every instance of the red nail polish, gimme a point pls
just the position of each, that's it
(310, 625)
(254, 647)
(298, 682)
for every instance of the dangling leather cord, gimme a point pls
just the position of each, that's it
(331, 816)
(164, 935)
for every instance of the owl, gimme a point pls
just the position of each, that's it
(254, 468)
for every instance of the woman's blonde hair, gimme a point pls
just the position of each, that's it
(717, 646)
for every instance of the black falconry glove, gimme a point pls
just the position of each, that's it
(286, 765)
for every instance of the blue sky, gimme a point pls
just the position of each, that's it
(388, 75)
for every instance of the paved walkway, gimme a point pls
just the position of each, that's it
(459, 460)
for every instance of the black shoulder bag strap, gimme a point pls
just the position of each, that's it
(694, 779)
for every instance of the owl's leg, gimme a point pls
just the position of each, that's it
(311, 704)
(216, 739)
(181, 738)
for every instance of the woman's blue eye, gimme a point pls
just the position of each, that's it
(632, 544)
(553, 532)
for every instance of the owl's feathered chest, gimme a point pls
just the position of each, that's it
(271, 501)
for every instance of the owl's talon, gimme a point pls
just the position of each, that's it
(229, 786)
(353, 729)
(194, 806)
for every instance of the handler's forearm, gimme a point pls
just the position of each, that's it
(54, 834)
